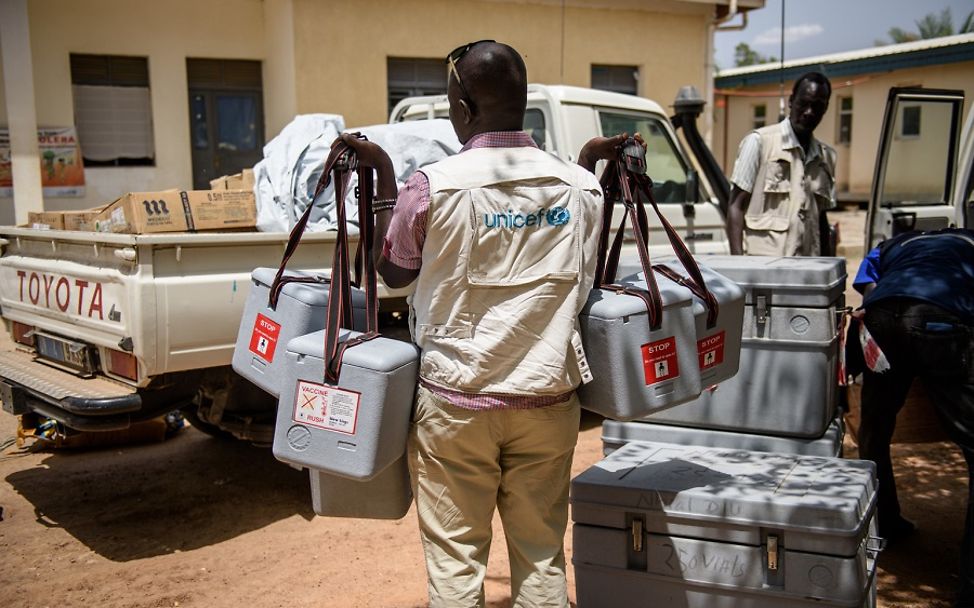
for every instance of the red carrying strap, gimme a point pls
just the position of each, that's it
(633, 189)
(339, 296)
(695, 282)
(336, 163)
(615, 186)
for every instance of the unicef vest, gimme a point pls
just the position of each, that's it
(508, 262)
(783, 215)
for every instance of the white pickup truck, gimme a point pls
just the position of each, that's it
(102, 330)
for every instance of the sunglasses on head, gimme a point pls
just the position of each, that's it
(454, 56)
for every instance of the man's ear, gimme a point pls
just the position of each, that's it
(466, 112)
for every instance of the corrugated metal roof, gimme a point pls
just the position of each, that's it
(947, 49)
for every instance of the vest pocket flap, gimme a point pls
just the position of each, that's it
(522, 235)
(766, 222)
(445, 331)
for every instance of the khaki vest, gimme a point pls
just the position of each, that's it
(508, 263)
(782, 216)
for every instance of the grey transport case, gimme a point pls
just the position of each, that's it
(302, 308)
(616, 434)
(357, 428)
(636, 370)
(387, 496)
(687, 527)
(787, 380)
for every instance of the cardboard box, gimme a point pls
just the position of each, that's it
(238, 181)
(46, 220)
(179, 211)
(83, 220)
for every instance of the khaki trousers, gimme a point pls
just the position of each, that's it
(463, 463)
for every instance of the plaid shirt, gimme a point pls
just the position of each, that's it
(403, 246)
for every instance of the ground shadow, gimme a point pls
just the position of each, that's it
(189, 492)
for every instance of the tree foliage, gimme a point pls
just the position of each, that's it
(745, 55)
(931, 25)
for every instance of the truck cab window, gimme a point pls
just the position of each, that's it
(664, 163)
(534, 125)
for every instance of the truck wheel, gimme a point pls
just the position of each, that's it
(192, 415)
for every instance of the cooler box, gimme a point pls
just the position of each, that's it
(719, 347)
(688, 527)
(787, 382)
(355, 429)
(302, 308)
(387, 496)
(636, 371)
(617, 434)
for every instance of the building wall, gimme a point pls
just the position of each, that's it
(346, 72)
(331, 56)
(856, 160)
(165, 32)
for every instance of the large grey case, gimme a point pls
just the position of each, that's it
(301, 309)
(786, 384)
(616, 335)
(666, 525)
(386, 496)
(616, 434)
(366, 437)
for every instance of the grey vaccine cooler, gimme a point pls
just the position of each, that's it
(302, 307)
(688, 527)
(616, 434)
(787, 380)
(718, 347)
(357, 428)
(386, 496)
(637, 370)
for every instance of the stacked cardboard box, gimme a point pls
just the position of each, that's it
(179, 211)
(238, 181)
(230, 205)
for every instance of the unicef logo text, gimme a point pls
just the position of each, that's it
(556, 216)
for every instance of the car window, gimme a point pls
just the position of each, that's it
(664, 163)
(534, 125)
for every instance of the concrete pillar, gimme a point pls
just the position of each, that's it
(280, 75)
(18, 85)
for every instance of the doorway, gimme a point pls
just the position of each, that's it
(226, 117)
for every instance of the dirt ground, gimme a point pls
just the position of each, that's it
(200, 522)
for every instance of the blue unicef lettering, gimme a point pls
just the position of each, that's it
(556, 216)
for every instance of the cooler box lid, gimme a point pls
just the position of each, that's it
(312, 294)
(794, 281)
(379, 354)
(730, 488)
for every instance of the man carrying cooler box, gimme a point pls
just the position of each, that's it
(502, 240)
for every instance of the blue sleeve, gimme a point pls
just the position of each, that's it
(868, 270)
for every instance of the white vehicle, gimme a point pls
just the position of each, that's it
(106, 329)
(924, 178)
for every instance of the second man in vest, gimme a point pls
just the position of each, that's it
(784, 180)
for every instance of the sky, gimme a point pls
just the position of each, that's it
(818, 27)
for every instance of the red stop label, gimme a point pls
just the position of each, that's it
(659, 360)
(710, 350)
(263, 339)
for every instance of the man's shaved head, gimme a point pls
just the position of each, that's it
(496, 86)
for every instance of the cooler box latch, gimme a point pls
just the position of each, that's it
(772, 552)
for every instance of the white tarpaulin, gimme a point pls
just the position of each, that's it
(300, 148)
(305, 145)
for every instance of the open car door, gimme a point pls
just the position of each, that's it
(917, 165)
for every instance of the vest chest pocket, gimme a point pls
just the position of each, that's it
(770, 209)
(820, 185)
(523, 235)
